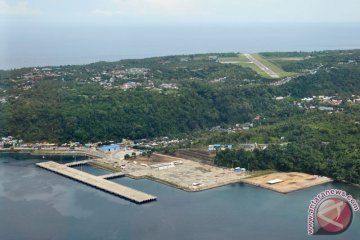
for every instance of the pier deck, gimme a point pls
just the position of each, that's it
(98, 182)
(112, 175)
(78, 163)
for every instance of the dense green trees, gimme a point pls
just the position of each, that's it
(76, 111)
(318, 143)
(337, 81)
(63, 111)
(72, 107)
(319, 160)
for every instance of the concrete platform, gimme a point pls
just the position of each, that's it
(112, 175)
(98, 182)
(78, 163)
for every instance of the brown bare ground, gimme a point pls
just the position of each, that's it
(196, 176)
(189, 176)
(291, 181)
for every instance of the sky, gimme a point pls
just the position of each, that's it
(143, 12)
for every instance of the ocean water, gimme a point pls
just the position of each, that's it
(42, 45)
(94, 171)
(37, 204)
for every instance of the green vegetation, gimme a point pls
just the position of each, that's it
(243, 61)
(329, 80)
(199, 98)
(63, 112)
(328, 160)
(275, 68)
(317, 144)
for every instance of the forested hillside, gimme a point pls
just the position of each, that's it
(310, 121)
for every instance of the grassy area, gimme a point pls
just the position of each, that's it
(275, 68)
(244, 62)
(235, 60)
(285, 59)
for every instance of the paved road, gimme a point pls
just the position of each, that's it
(268, 71)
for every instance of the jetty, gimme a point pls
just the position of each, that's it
(112, 175)
(78, 163)
(98, 182)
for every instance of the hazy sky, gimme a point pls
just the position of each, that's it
(178, 11)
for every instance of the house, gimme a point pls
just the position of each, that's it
(112, 147)
(168, 86)
(47, 145)
(246, 126)
(248, 147)
(224, 147)
(307, 99)
(129, 85)
(326, 108)
(252, 146)
(239, 169)
(215, 147)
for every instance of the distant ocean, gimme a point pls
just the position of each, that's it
(24, 46)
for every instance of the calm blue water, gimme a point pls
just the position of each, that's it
(94, 171)
(37, 204)
(40, 45)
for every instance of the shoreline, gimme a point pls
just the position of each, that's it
(163, 180)
(289, 181)
(281, 191)
(49, 152)
(186, 189)
(243, 181)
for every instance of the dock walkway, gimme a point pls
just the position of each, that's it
(78, 163)
(112, 175)
(98, 182)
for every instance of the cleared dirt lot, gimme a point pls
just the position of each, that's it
(292, 181)
(194, 176)
(189, 175)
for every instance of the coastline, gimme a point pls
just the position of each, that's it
(288, 181)
(157, 177)
(183, 188)
(49, 152)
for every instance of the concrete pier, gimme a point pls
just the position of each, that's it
(112, 175)
(78, 163)
(98, 182)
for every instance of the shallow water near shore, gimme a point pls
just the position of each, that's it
(93, 170)
(38, 204)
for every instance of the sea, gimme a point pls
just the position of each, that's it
(34, 44)
(38, 204)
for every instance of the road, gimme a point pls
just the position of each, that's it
(268, 71)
